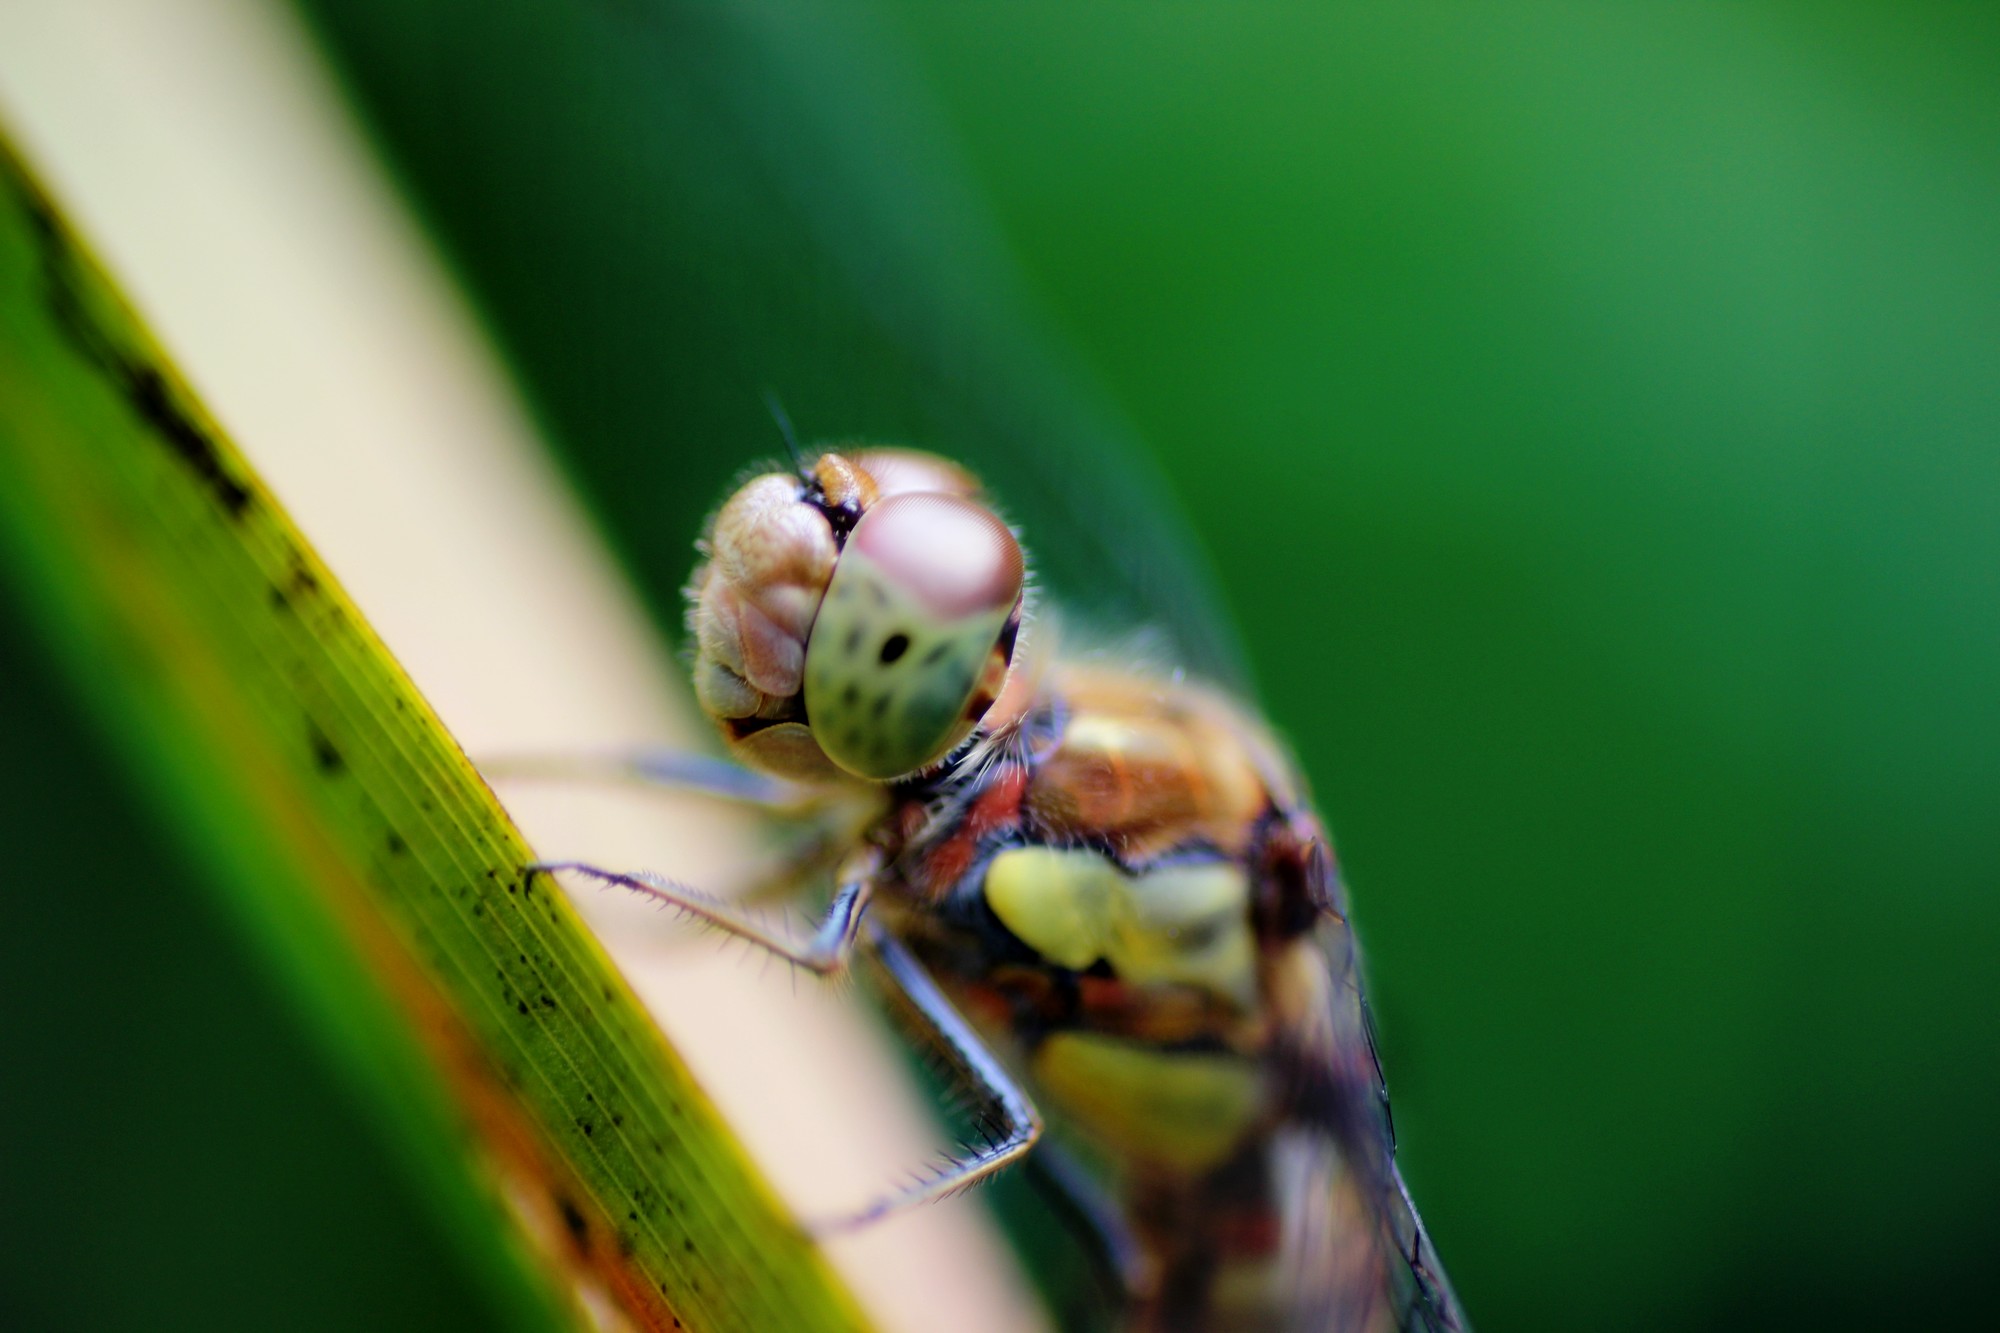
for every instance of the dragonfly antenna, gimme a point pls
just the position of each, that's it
(777, 411)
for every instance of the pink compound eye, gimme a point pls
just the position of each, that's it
(902, 471)
(952, 554)
(922, 592)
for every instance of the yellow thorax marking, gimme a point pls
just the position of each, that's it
(1187, 1110)
(1186, 924)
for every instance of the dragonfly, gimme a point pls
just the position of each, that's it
(1092, 886)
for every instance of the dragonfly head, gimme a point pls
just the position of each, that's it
(857, 615)
(915, 632)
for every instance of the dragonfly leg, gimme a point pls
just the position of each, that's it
(1007, 1121)
(1089, 1211)
(825, 954)
(670, 770)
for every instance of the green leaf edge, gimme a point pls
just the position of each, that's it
(566, 1145)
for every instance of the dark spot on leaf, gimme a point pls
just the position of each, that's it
(894, 647)
(325, 755)
(572, 1216)
(394, 842)
(140, 383)
(522, 1005)
(147, 392)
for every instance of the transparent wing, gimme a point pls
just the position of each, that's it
(1356, 1253)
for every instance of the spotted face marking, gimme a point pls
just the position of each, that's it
(924, 589)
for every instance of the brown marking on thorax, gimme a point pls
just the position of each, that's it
(1146, 766)
(1149, 766)
(1166, 1015)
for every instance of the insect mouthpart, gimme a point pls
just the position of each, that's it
(913, 638)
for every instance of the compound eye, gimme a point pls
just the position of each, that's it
(899, 470)
(901, 662)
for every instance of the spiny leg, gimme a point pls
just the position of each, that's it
(670, 770)
(1088, 1210)
(829, 829)
(1002, 1110)
(825, 954)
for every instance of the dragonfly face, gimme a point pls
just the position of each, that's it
(1114, 873)
(861, 617)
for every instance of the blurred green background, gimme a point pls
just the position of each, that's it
(1591, 420)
